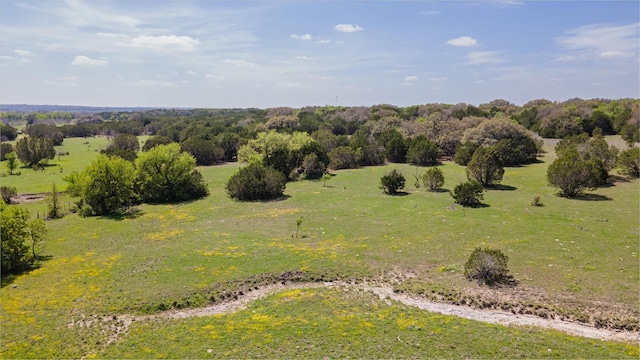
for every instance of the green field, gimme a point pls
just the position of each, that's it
(572, 258)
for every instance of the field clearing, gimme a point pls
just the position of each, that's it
(578, 258)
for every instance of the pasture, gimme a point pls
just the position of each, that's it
(574, 259)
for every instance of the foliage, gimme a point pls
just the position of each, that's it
(325, 177)
(488, 266)
(7, 193)
(464, 152)
(206, 152)
(45, 131)
(391, 182)
(54, 210)
(485, 167)
(35, 150)
(343, 157)
(571, 174)
(516, 151)
(629, 162)
(535, 201)
(155, 141)
(12, 162)
(630, 133)
(165, 174)
(312, 167)
(490, 131)
(108, 185)
(18, 231)
(468, 193)
(433, 179)
(5, 148)
(422, 152)
(7, 132)
(125, 146)
(256, 182)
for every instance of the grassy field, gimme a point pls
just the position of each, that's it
(574, 258)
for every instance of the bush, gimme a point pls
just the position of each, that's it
(256, 182)
(4, 150)
(392, 182)
(485, 167)
(7, 193)
(468, 193)
(312, 167)
(34, 150)
(464, 152)
(572, 175)
(629, 162)
(433, 179)
(155, 141)
(343, 157)
(536, 201)
(206, 152)
(488, 266)
(422, 152)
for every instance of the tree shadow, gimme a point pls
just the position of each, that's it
(10, 278)
(125, 215)
(593, 197)
(501, 187)
(399, 193)
(439, 190)
(476, 206)
(278, 199)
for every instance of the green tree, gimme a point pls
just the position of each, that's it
(35, 150)
(570, 174)
(54, 210)
(343, 157)
(7, 193)
(312, 167)
(18, 231)
(167, 175)
(629, 162)
(12, 162)
(108, 185)
(423, 152)
(256, 182)
(206, 152)
(464, 152)
(125, 146)
(468, 193)
(433, 179)
(5, 149)
(487, 266)
(155, 141)
(392, 182)
(485, 167)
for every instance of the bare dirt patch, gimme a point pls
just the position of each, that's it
(27, 198)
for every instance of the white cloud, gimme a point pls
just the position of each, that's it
(302, 37)
(615, 54)
(411, 78)
(82, 60)
(165, 42)
(565, 58)
(430, 12)
(151, 83)
(191, 72)
(214, 77)
(303, 57)
(22, 52)
(484, 57)
(604, 41)
(324, 41)
(438, 79)
(239, 63)
(348, 28)
(462, 41)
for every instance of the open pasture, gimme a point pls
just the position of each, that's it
(572, 258)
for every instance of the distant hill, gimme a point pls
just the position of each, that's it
(23, 108)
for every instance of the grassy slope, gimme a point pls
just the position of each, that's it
(174, 253)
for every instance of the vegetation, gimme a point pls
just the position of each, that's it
(629, 162)
(392, 182)
(433, 179)
(572, 175)
(423, 152)
(256, 182)
(12, 162)
(5, 149)
(35, 150)
(18, 233)
(468, 193)
(7, 193)
(54, 209)
(488, 266)
(485, 167)
(125, 146)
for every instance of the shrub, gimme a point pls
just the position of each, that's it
(536, 201)
(7, 193)
(433, 179)
(464, 152)
(629, 162)
(468, 193)
(108, 185)
(485, 167)
(256, 182)
(206, 152)
(125, 146)
(34, 150)
(5, 148)
(343, 157)
(155, 141)
(487, 266)
(570, 174)
(313, 168)
(423, 152)
(392, 182)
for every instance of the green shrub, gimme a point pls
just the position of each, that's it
(433, 179)
(464, 152)
(256, 182)
(487, 266)
(392, 182)
(629, 162)
(422, 152)
(313, 167)
(7, 193)
(485, 167)
(468, 193)
(343, 157)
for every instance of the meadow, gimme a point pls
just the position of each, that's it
(574, 259)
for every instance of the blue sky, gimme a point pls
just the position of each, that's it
(297, 53)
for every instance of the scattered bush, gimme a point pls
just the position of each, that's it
(464, 152)
(433, 179)
(7, 193)
(5, 149)
(423, 152)
(34, 150)
(256, 182)
(12, 162)
(155, 141)
(392, 182)
(487, 266)
(629, 162)
(468, 193)
(485, 167)
(572, 175)
(536, 201)
(125, 146)
(312, 167)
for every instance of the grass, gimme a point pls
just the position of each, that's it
(567, 255)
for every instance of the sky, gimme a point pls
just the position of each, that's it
(241, 54)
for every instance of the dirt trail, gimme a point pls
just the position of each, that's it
(386, 292)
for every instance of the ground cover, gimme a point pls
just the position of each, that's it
(573, 258)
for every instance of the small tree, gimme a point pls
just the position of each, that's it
(35, 150)
(313, 168)
(629, 162)
(433, 179)
(422, 152)
(5, 149)
(485, 167)
(392, 182)
(468, 193)
(487, 266)
(12, 162)
(570, 174)
(464, 152)
(325, 177)
(256, 182)
(53, 209)
(7, 193)
(125, 146)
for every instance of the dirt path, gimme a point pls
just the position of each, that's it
(386, 292)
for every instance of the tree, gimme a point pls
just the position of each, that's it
(485, 167)
(12, 162)
(35, 150)
(206, 152)
(570, 174)
(5, 149)
(392, 182)
(433, 179)
(256, 182)
(17, 231)
(423, 152)
(464, 152)
(155, 141)
(516, 151)
(468, 193)
(53, 209)
(46, 131)
(108, 185)
(7, 132)
(312, 167)
(343, 157)
(7, 193)
(487, 266)
(166, 174)
(125, 146)
(629, 162)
